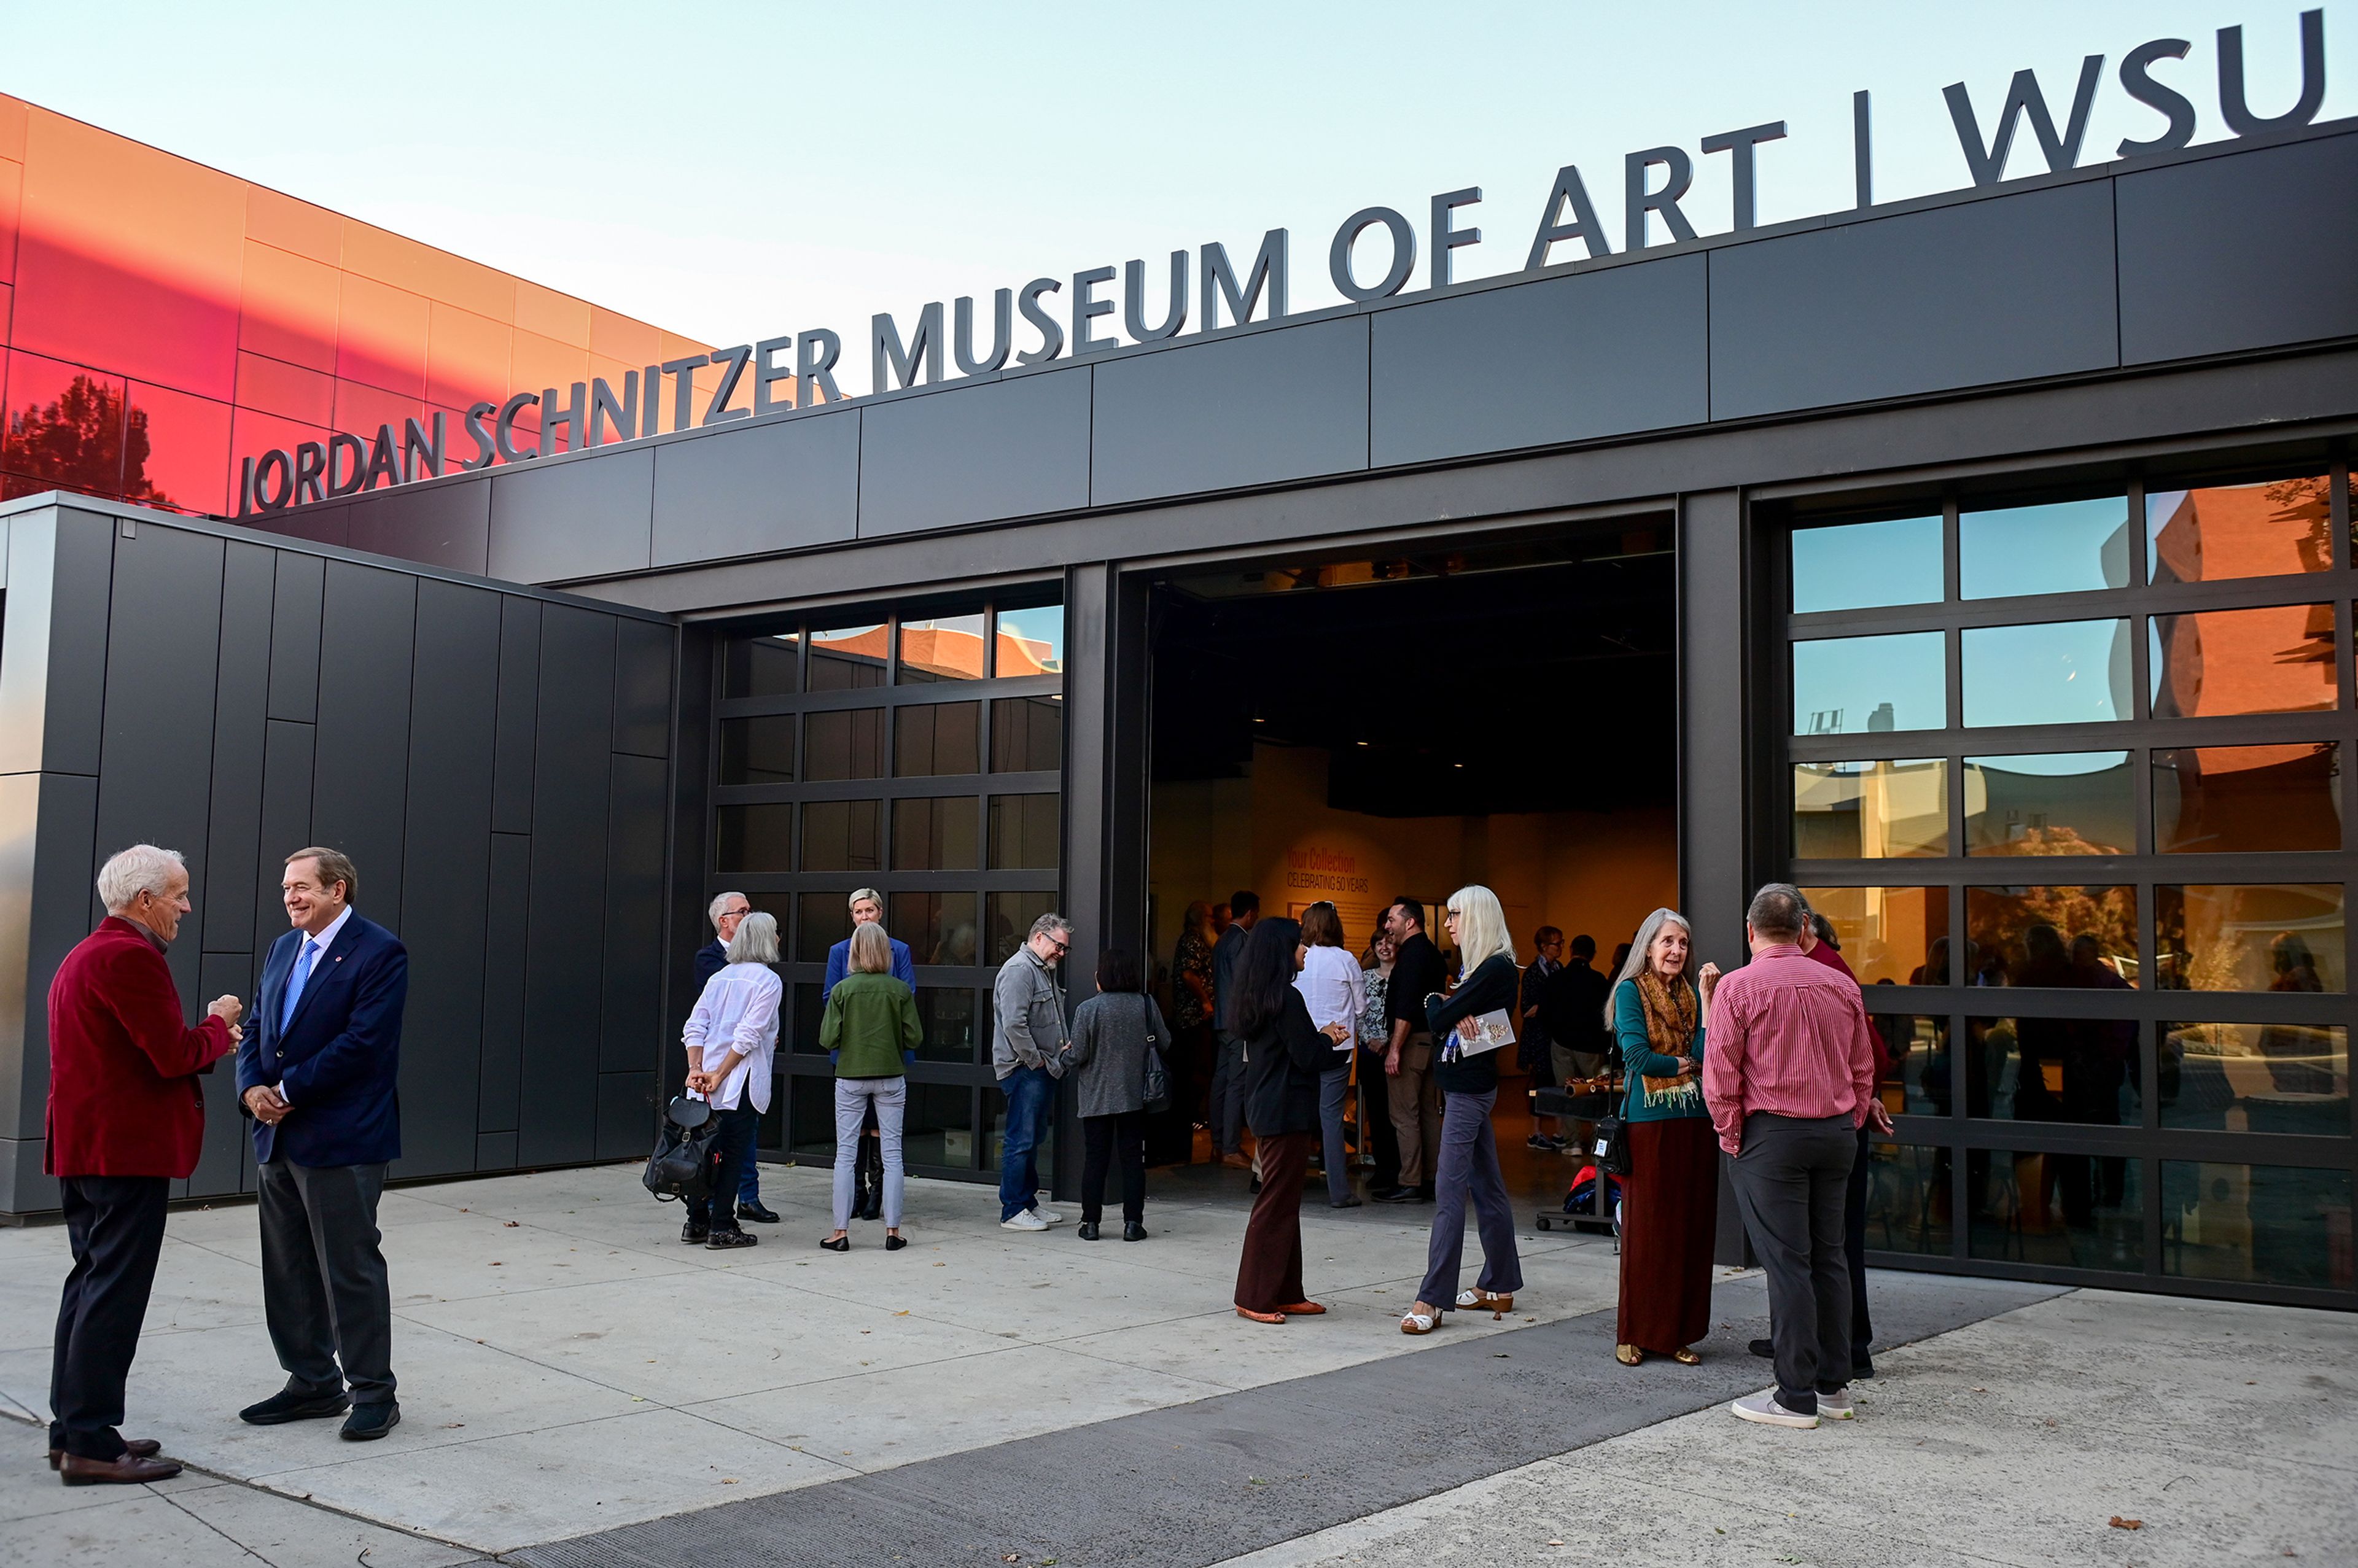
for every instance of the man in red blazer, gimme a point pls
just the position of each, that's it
(126, 1118)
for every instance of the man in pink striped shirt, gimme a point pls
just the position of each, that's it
(1788, 1079)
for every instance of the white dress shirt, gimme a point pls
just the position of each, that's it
(1329, 984)
(318, 944)
(738, 1012)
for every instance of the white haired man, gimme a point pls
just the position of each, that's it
(726, 911)
(126, 1119)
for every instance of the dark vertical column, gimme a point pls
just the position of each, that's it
(508, 898)
(688, 856)
(446, 856)
(360, 779)
(241, 717)
(1716, 782)
(1089, 688)
(631, 1016)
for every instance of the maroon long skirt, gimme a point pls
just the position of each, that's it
(1269, 1273)
(1670, 1213)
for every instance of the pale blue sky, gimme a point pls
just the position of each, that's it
(735, 171)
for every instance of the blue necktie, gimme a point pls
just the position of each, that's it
(295, 981)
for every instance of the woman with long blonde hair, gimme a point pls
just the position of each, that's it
(1466, 1068)
(1669, 1206)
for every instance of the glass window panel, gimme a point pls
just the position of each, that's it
(2055, 802)
(754, 839)
(2072, 938)
(935, 835)
(844, 745)
(1850, 565)
(1908, 1204)
(949, 1018)
(2274, 1224)
(1010, 915)
(2057, 547)
(2246, 799)
(1917, 1072)
(2282, 936)
(2255, 1077)
(768, 665)
(948, 647)
(938, 1127)
(1857, 686)
(810, 1010)
(176, 450)
(758, 750)
(2081, 1070)
(1870, 811)
(939, 927)
(936, 738)
(64, 426)
(843, 835)
(822, 919)
(1031, 641)
(846, 658)
(2057, 671)
(2239, 530)
(2277, 660)
(1888, 933)
(1024, 831)
(1027, 734)
(2065, 1211)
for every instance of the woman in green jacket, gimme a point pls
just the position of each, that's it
(1669, 1206)
(870, 1031)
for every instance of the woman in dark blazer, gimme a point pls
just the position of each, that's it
(1285, 1053)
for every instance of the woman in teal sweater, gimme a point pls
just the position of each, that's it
(870, 1031)
(1669, 1206)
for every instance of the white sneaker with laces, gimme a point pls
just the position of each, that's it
(1763, 1407)
(1049, 1216)
(1837, 1407)
(1028, 1220)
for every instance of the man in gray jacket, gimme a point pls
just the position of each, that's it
(1027, 1043)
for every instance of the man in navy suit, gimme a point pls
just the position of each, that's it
(317, 1073)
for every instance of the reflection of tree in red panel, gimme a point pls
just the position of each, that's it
(76, 442)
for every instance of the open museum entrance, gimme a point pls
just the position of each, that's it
(1354, 726)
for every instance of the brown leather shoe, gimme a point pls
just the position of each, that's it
(76, 1471)
(137, 1447)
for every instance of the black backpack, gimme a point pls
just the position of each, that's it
(681, 1167)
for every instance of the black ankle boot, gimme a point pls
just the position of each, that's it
(870, 1173)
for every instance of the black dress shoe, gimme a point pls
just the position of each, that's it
(695, 1235)
(137, 1447)
(293, 1404)
(894, 1243)
(757, 1212)
(1132, 1230)
(1764, 1348)
(1255, 1188)
(1396, 1194)
(840, 1243)
(871, 1205)
(76, 1471)
(1086, 1231)
(368, 1422)
(725, 1239)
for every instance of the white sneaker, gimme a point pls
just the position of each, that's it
(1837, 1407)
(1763, 1407)
(1030, 1220)
(1049, 1216)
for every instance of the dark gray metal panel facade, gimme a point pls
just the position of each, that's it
(83, 571)
(288, 752)
(441, 525)
(577, 519)
(631, 1019)
(2239, 253)
(508, 907)
(1258, 408)
(1566, 359)
(2007, 289)
(642, 687)
(241, 715)
(361, 769)
(556, 1118)
(1007, 449)
(295, 636)
(753, 489)
(519, 715)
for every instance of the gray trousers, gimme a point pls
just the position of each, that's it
(1791, 1179)
(1334, 1089)
(1229, 1096)
(1466, 1166)
(851, 1097)
(324, 1290)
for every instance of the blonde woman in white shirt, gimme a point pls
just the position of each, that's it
(1330, 984)
(732, 1039)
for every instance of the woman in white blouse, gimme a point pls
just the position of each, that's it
(1329, 983)
(732, 1038)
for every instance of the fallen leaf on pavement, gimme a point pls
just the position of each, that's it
(2120, 1523)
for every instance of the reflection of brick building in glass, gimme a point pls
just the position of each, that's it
(164, 320)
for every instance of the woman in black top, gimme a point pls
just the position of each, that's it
(1285, 1053)
(1468, 1079)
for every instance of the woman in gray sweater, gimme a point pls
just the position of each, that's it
(1106, 1063)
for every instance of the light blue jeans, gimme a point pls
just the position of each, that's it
(851, 1097)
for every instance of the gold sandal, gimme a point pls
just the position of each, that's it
(1627, 1355)
(1686, 1357)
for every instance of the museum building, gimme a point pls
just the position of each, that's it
(1982, 563)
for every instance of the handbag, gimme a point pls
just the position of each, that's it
(1611, 1146)
(1158, 1077)
(681, 1167)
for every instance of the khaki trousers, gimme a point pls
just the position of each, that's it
(1415, 1108)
